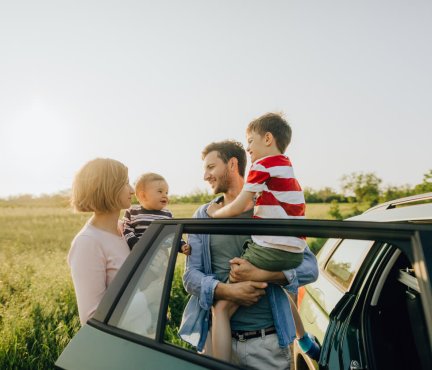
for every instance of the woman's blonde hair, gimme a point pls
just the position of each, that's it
(97, 186)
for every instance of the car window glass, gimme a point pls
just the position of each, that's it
(140, 314)
(345, 261)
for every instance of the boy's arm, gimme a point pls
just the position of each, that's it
(235, 208)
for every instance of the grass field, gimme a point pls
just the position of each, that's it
(38, 314)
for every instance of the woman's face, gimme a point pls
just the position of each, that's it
(126, 195)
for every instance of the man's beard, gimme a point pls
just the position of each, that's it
(223, 184)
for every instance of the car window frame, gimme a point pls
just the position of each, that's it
(402, 236)
(330, 277)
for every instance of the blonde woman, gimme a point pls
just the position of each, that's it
(101, 186)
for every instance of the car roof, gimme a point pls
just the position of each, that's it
(415, 208)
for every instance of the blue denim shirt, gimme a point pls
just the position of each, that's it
(200, 282)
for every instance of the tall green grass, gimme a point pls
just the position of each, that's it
(38, 313)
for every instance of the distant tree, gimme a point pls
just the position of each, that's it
(364, 186)
(335, 211)
(310, 195)
(426, 185)
(196, 196)
(324, 195)
(395, 192)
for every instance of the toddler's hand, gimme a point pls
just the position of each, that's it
(186, 249)
(212, 208)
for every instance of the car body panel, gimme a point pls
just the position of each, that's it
(345, 331)
(103, 344)
(113, 352)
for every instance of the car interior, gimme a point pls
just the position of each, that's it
(394, 319)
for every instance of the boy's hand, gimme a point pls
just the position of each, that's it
(212, 208)
(186, 249)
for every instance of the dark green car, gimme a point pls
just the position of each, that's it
(370, 307)
(128, 330)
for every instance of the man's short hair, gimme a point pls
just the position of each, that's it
(276, 125)
(226, 150)
(97, 186)
(145, 179)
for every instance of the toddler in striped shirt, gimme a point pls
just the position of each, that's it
(151, 190)
(276, 193)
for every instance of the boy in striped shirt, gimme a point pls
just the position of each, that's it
(277, 194)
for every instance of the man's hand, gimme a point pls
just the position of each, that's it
(242, 270)
(246, 293)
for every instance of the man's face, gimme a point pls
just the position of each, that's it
(216, 173)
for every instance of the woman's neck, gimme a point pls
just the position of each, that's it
(107, 222)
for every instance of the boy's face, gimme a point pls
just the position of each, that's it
(257, 145)
(154, 197)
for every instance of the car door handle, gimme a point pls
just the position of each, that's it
(355, 365)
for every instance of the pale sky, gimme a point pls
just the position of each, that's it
(150, 83)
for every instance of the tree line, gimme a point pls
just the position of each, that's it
(357, 187)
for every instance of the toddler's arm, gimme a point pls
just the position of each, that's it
(129, 230)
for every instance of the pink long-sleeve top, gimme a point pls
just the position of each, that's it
(94, 259)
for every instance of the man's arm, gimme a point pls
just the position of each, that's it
(198, 280)
(245, 293)
(243, 270)
(307, 272)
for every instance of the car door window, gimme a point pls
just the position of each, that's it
(139, 306)
(345, 261)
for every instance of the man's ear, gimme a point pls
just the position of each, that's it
(233, 164)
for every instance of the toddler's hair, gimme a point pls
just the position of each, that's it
(146, 178)
(97, 186)
(276, 125)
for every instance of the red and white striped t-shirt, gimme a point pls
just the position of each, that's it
(279, 195)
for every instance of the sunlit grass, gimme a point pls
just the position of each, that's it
(38, 313)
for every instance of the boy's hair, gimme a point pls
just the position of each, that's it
(97, 186)
(226, 150)
(144, 179)
(276, 125)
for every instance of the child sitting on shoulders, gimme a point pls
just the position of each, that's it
(276, 193)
